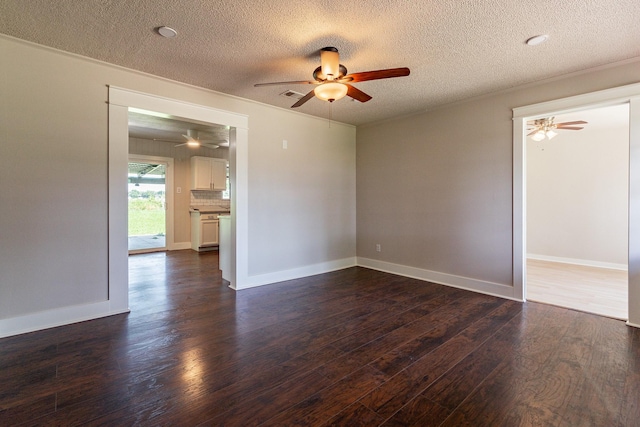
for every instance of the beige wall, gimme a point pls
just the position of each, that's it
(181, 176)
(53, 171)
(435, 189)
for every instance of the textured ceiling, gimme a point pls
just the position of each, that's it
(455, 49)
(147, 126)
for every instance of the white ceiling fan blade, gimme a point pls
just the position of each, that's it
(195, 142)
(166, 140)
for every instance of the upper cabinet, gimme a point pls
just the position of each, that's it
(208, 173)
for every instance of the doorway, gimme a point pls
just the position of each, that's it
(577, 212)
(629, 94)
(121, 101)
(147, 206)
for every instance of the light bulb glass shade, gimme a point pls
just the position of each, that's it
(551, 134)
(538, 136)
(331, 91)
(330, 64)
(193, 143)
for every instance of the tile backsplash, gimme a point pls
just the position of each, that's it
(208, 198)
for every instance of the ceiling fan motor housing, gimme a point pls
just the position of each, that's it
(318, 75)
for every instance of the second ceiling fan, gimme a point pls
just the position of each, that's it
(193, 139)
(332, 81)
(545, 128)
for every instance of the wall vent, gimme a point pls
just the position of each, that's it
(292, 94)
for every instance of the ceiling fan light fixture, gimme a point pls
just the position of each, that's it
(331, 91)
(551, 134)
(538, 136)
(329, 58)
(193, 143)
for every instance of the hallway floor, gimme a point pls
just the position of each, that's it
(602, 291)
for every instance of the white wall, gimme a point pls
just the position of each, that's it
(53, 170)
(577, 196)
(435, 189)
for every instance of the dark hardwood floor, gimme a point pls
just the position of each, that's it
(355, 347)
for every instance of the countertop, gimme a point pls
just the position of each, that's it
(209, 209)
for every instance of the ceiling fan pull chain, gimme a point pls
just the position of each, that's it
(330, 113)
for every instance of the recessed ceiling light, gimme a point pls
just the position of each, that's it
(167, 32)
(536, 40)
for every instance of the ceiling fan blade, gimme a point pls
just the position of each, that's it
(569, 127)
(304, 99)
(167, 140)
(179, 145)
(577, 122)
(216, 142)
(357, 94)
(378, 74)
(531, 133)
(212, 146)
(300, 82)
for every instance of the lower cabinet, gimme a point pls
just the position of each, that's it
(204, 231)
(208, 232)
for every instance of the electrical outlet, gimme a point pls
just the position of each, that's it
(178, 190)
(378, 247)
(284, 144)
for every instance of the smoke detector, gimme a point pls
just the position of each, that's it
(167, 32)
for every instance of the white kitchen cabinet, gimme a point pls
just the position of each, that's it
(208, 173)
(208, 232)
(204, 230)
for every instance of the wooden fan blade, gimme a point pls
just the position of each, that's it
(356, 93)
(531, 133)
(577, 122)
(569, 127)
(378, 74)
(304, 99)
(300, 82)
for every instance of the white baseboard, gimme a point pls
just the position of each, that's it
(180, 246)
(57, 317)
(574, 261)
(297, 273)
(484, 287)
(633, 324)
(80, 313)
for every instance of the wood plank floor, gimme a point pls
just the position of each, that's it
(602, 291)
(350, 348)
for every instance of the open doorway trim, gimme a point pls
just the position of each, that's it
(623, 94)
(120, 100)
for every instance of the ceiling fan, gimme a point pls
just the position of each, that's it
(332, 81)
(193, 140)
(545, 127)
